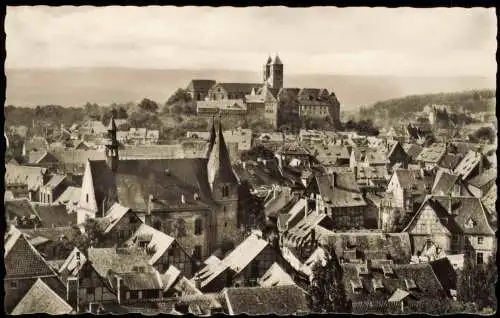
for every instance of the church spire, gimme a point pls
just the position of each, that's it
(211, 140)
(219, 162)
(112, 146)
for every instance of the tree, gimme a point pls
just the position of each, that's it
(327, 294)
(93, 235)
(476, 283)
(148, 105)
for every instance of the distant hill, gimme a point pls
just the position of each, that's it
(401, 109)
(76, 86)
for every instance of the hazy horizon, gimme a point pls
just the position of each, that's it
(434, 42)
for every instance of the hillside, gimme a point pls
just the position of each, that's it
(394, 110)
(74, 87)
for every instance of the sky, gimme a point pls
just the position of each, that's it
(354, 41)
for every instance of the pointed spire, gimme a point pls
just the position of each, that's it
(276, 60)
(219, 162)
(269, 60)
(211, 140)
(112, 124)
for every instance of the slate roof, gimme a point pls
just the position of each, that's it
(19, 208)
(152, 152)
(166, 179)
(41, 299)
(236, 260)
(489, 199)
(219, 163)
(340, 190)
(70, 196)
(369, 245)
(450, 161)
(484, 178)
(432, 154)
(414, 181)
(259, 175)
(119, 260)
(445, 183)
(55, 180)
(21, 259)
(279, 300)
(31, 176)
(413, 150)
(464, 211)
(51, 234)
(55, 215)
(239, 88)
(468, 163)
(114, 214)
(159, 242)
(141, 281)
(275, 276)
(200, 85)
(427, 284)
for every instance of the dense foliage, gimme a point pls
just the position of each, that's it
(483, 134)
(476, 284)
(391, 111)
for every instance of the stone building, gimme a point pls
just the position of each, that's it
(194, 200)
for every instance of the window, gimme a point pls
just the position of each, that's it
(479, 258)
(90, 291)
(197, 226)
(225, 191)
(13, 284)
(480, 240)
(87, 198)
(455, 239)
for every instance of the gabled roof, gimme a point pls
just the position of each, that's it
(120, 260)
(414, 181)
(31, 176)
(35, 157)
(170, 277)
(141, 281)
(200, 85)
(445, 183)
(159, 242)
(55, 215)
(55, 180)
(70, 196)
(484, 178)
(450, 161)
(238, 88)
(36, 143)
(468, 163)
(237, 260)
(21, 259)
(489, 199)
(19, 208)
(278, 300)
(72, 266)
(432, 154)
(113, 216)
(467, 216)
(413, 150)
(340, 190)
(398, 295)
(41, 299)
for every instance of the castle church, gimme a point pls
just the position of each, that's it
(192, 199)
(270, 98)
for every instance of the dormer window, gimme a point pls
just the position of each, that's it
(357, 286)
(470, 224)
(377, 284)
(410, 284)
(225, 191)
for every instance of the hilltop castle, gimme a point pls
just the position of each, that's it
(268, 99)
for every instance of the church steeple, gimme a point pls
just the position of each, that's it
(112, 146)
(211, 140)
(219, 166)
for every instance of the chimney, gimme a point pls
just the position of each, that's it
(306, 207)
(72, 287)
(450, 206)
(244, 165)
(355, 169)
(183, 199)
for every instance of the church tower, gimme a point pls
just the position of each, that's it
(112, 146)
(224, 187)
(275, 78)
(211, 140)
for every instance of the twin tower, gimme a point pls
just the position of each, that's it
(273, 73)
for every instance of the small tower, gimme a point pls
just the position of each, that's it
(275, 78)
(112, 146)
(224, 187)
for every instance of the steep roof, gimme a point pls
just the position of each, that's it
(413, 150)
(369, 245)
(467, 216)
(159, 241)
(21, 259)
(484, 178)
(70, 196)
(55, 180)
(275, 276)
(122, 260)
(31, 176)
(142, 281)
(200, 85)
(340, 190)
(278, 300)
(414, 181)
(450, 161)
(468, 163)
(219, 163)
(432, 154)
(36, 143)
(19, 208)
(445, 183)
(41, 299)
(276, 60)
